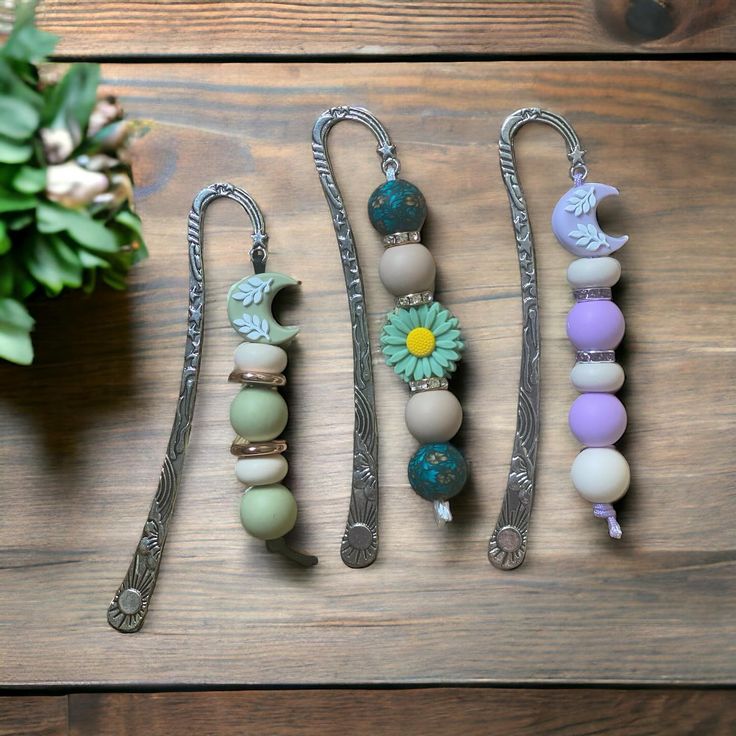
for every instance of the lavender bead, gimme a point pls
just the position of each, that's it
(595, 325)
(597, 420)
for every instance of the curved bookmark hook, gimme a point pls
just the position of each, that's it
(507, 545)
(128, 608)
(360, 541)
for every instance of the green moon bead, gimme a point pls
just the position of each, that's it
(258, 414)
(397, 207)
(268, 512)
(249, 308)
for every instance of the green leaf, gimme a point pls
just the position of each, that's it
(14, 201)
(15, 332)
(131, 221)
(90, 260)
(12, 152)
(18, 119)
(18, 222)
(54, 264)
(30, 180)
(92, 234)
(13, 85)
(4, 238)
(26, 42)
(72, 100)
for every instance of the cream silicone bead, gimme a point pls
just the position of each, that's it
(604, 271)
(601, 475)
(597, 377)
(433, 416)
(260, 358)
(261, 471)
(407, 269)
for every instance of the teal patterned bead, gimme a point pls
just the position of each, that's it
(438, 471)
(397, 207)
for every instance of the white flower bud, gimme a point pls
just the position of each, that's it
(71, 185)
(104, 112)
(57, 144)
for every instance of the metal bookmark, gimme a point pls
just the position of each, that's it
(130, 605)
(508, 543)
(360, 540)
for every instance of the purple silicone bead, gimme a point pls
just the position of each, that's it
(597, 420)
(595, 325)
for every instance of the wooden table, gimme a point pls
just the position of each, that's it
(84, 429)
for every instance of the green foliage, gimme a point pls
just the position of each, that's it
(53, 239)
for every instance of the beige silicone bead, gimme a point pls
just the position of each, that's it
(407, 269)
(260, 471)
(433, 416)
(261, 358)
(604, 271)
(597, 377)
(601, 474)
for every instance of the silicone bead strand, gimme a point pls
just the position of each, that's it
(421, 342)
(595, 326)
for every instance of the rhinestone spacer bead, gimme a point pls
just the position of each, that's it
(595, 356)
(414, 300)
(592, 293)
(429, 384)
(401, 238)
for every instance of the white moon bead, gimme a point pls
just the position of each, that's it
(261, 358)
(433, 416)
(601, 474)
(407, 269)
(597, 377)
(605, 271)
(261, 471)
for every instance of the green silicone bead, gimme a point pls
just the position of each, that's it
(397, 206)
(268, 512)
(258, 414)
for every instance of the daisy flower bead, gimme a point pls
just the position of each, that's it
(422, 342)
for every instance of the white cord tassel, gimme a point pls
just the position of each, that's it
(442, 512)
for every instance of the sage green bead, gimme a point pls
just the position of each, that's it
(268, 512)
(258, 414)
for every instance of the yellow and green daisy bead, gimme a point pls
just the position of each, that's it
(422, 342)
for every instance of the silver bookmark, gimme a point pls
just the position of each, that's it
(129, 607)
(508, 543)
(359, 546)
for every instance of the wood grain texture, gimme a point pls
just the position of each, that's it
(430, 712)
(43, 715)
(85, 428)
(509, 27)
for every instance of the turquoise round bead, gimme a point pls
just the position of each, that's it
(397, 207)
(438, 471)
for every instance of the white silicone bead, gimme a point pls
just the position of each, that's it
(433, 416)
(255, 356)
(597, 377)
(604, 271)
(407, 269)
(601, 474)
(261, 471)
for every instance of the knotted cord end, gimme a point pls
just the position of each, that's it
(607, 512)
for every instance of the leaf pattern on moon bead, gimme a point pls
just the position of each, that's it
(582, 201)
(253, 327)
(589, 237)
(252, 291)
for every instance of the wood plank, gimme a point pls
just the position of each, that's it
(429, 712)
(85, 428)
(33, 715)
(511, 27)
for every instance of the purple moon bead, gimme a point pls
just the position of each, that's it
(597, 420)
(595, 325)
